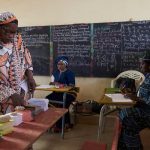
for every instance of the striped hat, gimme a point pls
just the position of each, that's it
(7, 17)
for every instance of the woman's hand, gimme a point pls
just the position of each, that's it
(17, 100)
(52, 83)
(30, 80)
(31, 84)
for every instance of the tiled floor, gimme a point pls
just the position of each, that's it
(85, 129)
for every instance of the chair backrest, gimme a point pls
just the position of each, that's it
(133, 74)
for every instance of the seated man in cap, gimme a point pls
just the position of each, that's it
(136, 118)
(63, 76)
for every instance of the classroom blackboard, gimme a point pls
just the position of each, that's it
(37, 40)
(73, 41)
(94, 50)
(118, 46)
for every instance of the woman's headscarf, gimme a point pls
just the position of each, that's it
(63, 59)
(7, 17)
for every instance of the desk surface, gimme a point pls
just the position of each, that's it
(108, 101)
(24, 135)
(63, 89)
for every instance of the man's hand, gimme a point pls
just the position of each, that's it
(128, 94)
(131, 96)
(17, 100)
(125, 90)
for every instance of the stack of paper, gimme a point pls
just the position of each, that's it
(45, 86)
(43, 103)
(16, 117)
(6, 127)
(118, 98)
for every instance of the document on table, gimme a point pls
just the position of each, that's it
(45, 86)
(118, 98)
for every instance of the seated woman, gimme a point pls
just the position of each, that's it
(135, 119)
(63, 77)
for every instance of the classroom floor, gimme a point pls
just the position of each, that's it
(85, 129)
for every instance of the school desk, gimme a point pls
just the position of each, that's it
(63, 90)
(115, 99)
(24, 135)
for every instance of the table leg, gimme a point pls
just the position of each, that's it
(101, 123)
(63, 118)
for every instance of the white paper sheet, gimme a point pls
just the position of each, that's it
(24, 86)
(39, 102)
(45, 86)
(118, 98)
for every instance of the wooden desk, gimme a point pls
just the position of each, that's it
(103, 112)
(53, 89)
(24, 135)
(108, 101)
(63, 90)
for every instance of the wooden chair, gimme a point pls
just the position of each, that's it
(93, 145)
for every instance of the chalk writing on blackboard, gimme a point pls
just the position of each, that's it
(74, 41)
(99, 49)
(37, 40)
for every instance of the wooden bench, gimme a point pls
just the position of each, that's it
(93, 145)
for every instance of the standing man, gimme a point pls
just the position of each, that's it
(16, 77)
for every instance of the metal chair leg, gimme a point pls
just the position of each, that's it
(100, 126)
(63, 118)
